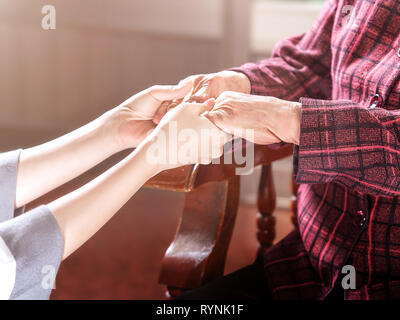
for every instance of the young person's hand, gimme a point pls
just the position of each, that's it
(133, 119)
(184, 136)
(47, 166)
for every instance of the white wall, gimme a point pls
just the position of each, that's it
(272, 21)
(100, 53)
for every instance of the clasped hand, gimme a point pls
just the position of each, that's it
(184, 135)
(205, 102)
(272, 120)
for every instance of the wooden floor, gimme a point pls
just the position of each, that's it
(122, 260)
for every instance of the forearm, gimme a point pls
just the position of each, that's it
(47, 166)
(83, 212)
(284, 79)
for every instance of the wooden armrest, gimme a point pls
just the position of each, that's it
(197, 253)
(188, 178)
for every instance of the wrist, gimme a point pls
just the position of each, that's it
(280, 117)
(294, 118)
(152, 164)
(110, 124)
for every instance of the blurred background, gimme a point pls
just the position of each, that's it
(102, 52)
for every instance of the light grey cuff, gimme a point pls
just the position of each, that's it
(8, 184)
(36, 242)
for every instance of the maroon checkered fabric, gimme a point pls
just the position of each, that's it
(346, 73)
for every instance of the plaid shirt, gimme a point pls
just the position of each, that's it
(346, 73)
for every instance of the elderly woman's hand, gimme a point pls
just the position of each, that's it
(273, 120)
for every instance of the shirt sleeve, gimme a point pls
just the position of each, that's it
(8, 184)
(31, 245)
(299, 66)
(350, 144)
(31, 248)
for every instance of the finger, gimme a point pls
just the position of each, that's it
(200, 94)
(222, 100)
(194, 80)
(162, 93)
(220, 119)
(210, 103)
(161, 111)
(174, 103)
(211, 116)
(205, 106)
(198, 108)
(200, 90)
(219, 114)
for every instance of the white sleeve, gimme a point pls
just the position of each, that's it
(31, 245)
(8, 268)
(32, 252)
(8, 184)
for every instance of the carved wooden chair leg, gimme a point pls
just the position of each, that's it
(266, 205)
(197, 254)
(293, 204)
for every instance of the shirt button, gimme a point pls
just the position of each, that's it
(362, 219)
(376, 101)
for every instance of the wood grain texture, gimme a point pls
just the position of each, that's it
(198, 252)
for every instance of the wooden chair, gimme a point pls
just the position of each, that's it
(197, 254)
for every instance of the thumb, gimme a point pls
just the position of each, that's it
(207, 106)
(221, 119)
(210, 103)
(163, 93)
(216, 118)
